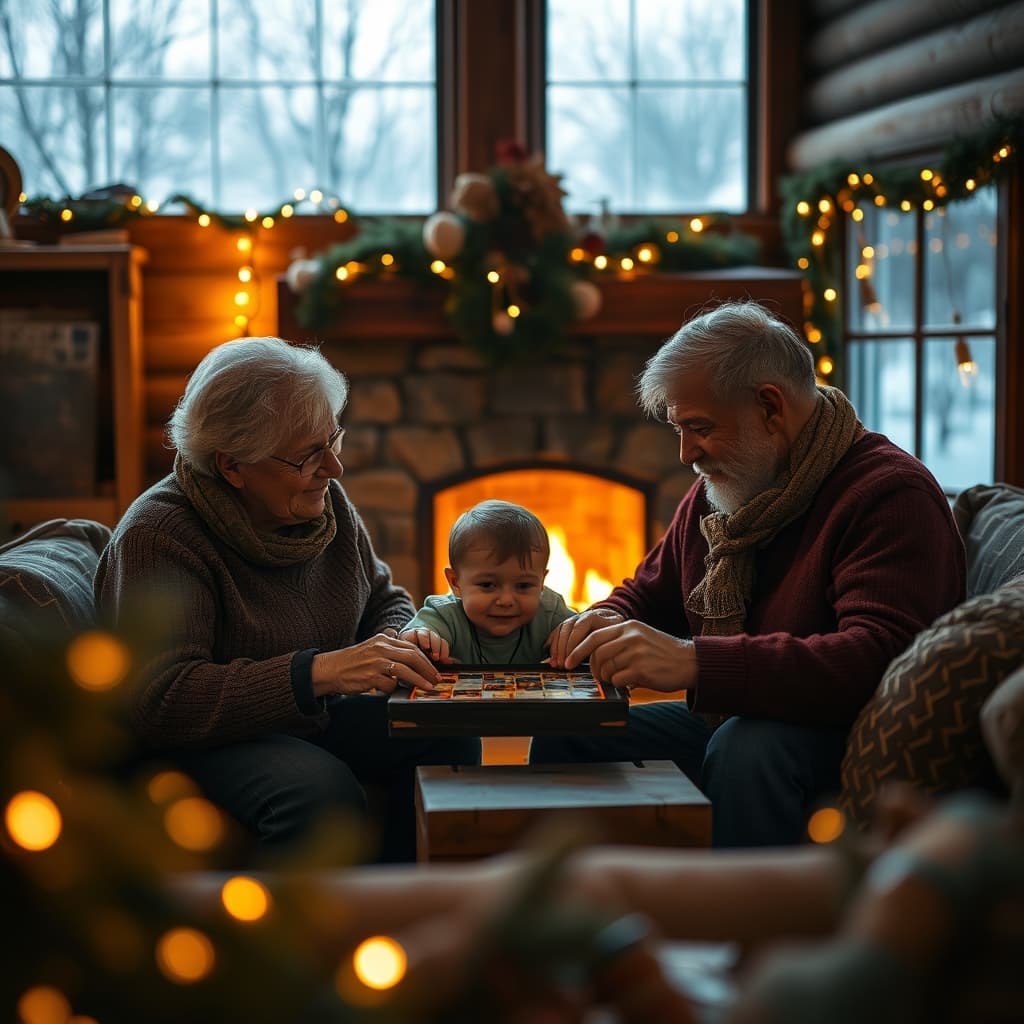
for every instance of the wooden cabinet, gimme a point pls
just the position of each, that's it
(52, 287)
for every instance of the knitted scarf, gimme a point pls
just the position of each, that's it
(218, 504)
(721, 596)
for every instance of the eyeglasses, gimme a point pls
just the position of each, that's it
(312, 462)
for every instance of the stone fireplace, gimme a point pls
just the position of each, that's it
(432, 430)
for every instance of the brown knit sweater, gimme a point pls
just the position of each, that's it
(232, 629)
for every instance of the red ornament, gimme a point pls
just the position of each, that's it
(510, 151)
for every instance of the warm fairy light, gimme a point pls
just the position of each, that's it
(861, 271)
(626, 263)
(868, 252)
(868, 179)
(241, 321)
(66, 215)
(671, 236)
(267, 222)
(824, 205)
(825, 366)
(194, 823)
(245, 899)
(316, 196)
(493, 276)
(169, 785)
(379, 962)
(926, 174)
(43, 1005)
(879, 200)
(341, 273)
(135, 202)
(970, 184)
(152, 206)
(97, 660)
(513, 311)
(576, 254)
(645, 254)
(858, 214)
(965, 363)
(601, 261)
(438, 266)
(22, 197)
(299, 194)
(905, 205)
(853, 180)
(33, 820)
(387, 260)
(826, 825)
(803, 263)
(829, 294)
(696, 225)
(341, 216)
(287, 210)
(245, 274)
(244, 244)
(824, 222)
(812, 333)
(204, 220)
(1004, 152)
(185, 955)
(251, 215)
(803, 208)
(241, 298)
(818, 238)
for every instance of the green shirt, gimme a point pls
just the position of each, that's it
(444, 614)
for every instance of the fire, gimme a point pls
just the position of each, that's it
(562, 575)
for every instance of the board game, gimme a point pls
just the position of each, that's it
(508, 700)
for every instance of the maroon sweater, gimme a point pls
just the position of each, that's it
(837, 594)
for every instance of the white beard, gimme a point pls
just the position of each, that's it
(747, 477)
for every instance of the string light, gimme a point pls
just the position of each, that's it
(185, 955)
(33, 820)
(379, 962)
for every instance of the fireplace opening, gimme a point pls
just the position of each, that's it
(597, 525)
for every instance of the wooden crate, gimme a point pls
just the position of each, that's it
(468, 812)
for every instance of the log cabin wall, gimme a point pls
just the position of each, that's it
(893, 80)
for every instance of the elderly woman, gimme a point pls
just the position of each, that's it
(281, 642)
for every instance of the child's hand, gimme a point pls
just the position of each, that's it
(434, 646)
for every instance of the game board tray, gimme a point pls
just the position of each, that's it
(509, 700)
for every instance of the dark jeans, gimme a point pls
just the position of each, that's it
(280, 787)
(763, 778)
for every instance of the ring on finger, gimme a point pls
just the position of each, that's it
(391, 670)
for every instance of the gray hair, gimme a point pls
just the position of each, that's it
(512, 531)
(244, 395)
(741, 345)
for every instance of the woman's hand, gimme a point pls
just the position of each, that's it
(431, 643)
(379, 664)
(566, 636)
(631, 653)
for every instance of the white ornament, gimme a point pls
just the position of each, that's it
(586, 297)
(301, 273)
(443, 235)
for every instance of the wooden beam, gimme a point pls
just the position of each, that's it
(920, 123)
(991, 42)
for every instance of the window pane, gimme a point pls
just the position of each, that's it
(689, 154)
(881, 387)
(45, 41)
(159, 39)
(391, 40)
(162, 141)
(647, 104)
(959, 414)
(960, 263)
(885, 243)
(267, 42)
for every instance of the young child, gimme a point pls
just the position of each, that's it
(498, 612)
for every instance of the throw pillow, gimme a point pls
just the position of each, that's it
(922, 723)
(991, 522)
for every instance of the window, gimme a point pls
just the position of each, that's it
(922, 334)
(647, 103)
(234, 102)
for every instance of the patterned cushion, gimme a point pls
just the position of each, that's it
(46, 579)
(922, 723)
(991, 522)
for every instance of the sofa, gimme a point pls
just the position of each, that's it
(922, 724)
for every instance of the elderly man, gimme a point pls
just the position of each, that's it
(805, 556)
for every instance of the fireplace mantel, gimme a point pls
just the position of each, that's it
(644, 304)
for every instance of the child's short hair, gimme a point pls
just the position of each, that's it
(511, 530)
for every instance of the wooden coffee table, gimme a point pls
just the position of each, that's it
(464, 813)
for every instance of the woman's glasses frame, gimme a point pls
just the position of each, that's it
(314, 460)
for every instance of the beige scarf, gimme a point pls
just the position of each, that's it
(721, 596)
(218, 504)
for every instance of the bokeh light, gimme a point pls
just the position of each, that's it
(185, 955)
(245, 899)
(97, 660)
(194, 823)
(379, 962)
(826, 825)
(43, 1005)
(33, 820)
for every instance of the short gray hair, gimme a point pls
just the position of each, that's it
(245, 395)
(741, 345)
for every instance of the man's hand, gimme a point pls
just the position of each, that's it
(632, 653)
(433, 645)
(563, 640)
(375, 665)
